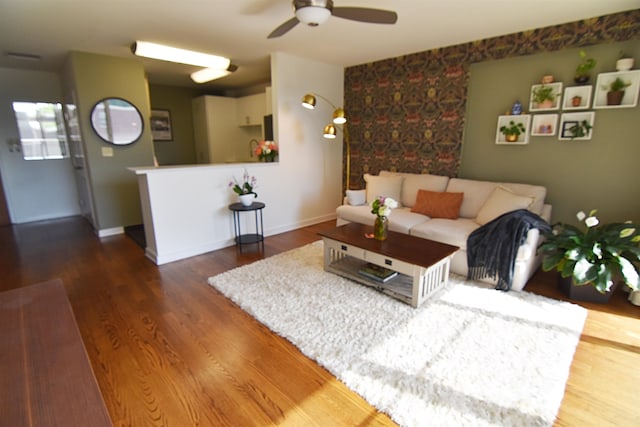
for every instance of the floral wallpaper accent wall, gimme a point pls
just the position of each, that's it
(407, 113)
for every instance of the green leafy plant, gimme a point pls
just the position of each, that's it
(618, 85)
(512, 129)
(580, 129)
(596, 255)
(247, 185)
(543, 93)
(584, 68)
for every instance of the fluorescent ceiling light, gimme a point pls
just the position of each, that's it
(208, 74)
(182, 56)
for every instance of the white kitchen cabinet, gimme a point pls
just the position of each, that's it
(250, 110)
(268, 101)
(214, 130)
(218, 138)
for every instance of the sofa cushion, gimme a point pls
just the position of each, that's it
(475, 194)
(499, 202)
(437, 204)
(417, 181)
(387, 186)
(357, 197)
(401, 220)
(537, 192)
(451, 231)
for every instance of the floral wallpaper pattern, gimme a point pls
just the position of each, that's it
(407, 113)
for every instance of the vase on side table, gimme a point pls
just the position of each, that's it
(380, 227)
(246, 199)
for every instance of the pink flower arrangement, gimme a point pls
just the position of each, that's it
(267, 151)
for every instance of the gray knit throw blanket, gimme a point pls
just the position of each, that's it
(492, 248)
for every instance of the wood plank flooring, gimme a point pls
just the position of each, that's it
(169, 350)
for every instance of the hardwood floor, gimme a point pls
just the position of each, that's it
(167, 349)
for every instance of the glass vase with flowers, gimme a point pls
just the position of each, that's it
(381, 207)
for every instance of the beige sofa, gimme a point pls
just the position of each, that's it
(481, 201)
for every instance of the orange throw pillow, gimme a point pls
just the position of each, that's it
(438, 204)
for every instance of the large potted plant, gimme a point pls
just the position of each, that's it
(593, 257)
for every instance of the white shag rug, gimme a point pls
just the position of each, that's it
(470, 355)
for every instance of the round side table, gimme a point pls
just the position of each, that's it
(248, 238)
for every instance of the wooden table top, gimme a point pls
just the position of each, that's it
(45, 375)
(403, 247)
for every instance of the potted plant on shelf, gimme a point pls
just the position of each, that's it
(616, 91)
(583, 70)
(624, 62)
(580, 129)
(512, 131)
(591, 260)
(543, 97)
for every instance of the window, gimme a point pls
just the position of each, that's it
(41, 129)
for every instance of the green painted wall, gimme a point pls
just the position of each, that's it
(601, 173)
(177, 100)
(89, 78)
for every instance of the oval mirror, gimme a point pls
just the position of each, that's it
(117, 121)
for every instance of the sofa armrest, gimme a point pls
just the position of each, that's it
(546, 213)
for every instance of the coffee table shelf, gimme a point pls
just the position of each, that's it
(399, 287)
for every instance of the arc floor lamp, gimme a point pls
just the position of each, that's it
(330, 131)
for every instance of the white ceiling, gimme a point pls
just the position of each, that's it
(238, 29)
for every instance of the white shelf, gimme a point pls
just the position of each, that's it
(630, 98)
(556, 92)
(570, 119)
(584, 92)
(523, 139)
(544, 125)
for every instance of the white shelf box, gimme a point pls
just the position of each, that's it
(571, 92)
(568, 120)
(544, 125)
(556, 93)
(523, 138)
(630, 98)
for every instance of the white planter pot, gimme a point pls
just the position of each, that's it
(624, 64)
(246, 199)
(634, 297)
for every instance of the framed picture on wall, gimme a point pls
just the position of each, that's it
(161, 125)
(567, 126)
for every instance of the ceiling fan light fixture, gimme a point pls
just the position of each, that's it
(182, 56)
(309, 101)
(313, 15)
(208, 74)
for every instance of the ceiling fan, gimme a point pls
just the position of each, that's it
(315, 12)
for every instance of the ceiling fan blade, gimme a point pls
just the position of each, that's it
(284, 28)
(365, 14)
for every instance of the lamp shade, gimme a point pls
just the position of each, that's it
(313, 15)
(329, 131)
(339, 117)
(309, 101)
(182, 56)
